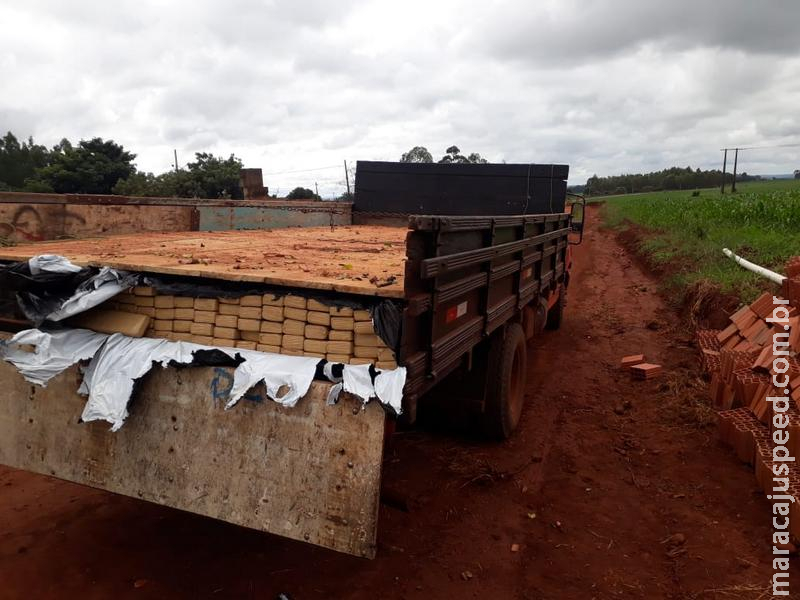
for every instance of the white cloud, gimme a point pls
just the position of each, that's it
(605, 86)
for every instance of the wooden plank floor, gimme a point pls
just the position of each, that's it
(358, 259)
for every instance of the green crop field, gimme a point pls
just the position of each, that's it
(760, 222)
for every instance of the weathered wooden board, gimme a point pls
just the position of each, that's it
(310, 473)
(26, 217)
(366, 260)
(36, 221)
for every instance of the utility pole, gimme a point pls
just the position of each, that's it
(176, 159)
(724, 166)
(347, 178)
(735, 163)
(316, 189)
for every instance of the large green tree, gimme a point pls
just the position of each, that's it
(215, 177)
(19, 161)
(453, 156)
(208, 176)
(301, 193)
(93, 167)
(418, 154)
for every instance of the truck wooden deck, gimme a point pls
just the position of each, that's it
(362, 259)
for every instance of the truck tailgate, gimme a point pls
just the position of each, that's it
(310, 473)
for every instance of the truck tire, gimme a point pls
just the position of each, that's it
(505, 382)
(556, 314)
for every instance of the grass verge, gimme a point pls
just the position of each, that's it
(685, 234)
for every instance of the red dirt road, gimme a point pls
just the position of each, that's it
(591, 498)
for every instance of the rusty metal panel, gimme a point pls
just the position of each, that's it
(216, 218)
(310, 473)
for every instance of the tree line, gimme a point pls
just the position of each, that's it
(674, 178)
(98, 166)
(420, 154)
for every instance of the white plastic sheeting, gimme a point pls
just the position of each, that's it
(276, 371)
(93, 292)
(51, 263)
(54, 352)
(118, 360)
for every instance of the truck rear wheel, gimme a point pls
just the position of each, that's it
(505, 382)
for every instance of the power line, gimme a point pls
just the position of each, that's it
(761, 147)
(736, 160)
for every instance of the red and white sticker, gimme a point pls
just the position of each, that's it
(454, 312)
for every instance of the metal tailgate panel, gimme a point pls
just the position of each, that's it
(310, 473)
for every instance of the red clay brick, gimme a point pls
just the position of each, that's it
(762, 306)
(633, 359)
(726, 333)
(646, 370)
(746, 320)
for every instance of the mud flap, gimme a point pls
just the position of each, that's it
(309, 473)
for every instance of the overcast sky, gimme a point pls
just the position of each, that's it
(605, 86)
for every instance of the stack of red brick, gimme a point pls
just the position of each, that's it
(739, 360)
(791, 285)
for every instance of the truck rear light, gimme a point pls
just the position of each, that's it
(454, 312)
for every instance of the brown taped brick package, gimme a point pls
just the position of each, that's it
(289, 324)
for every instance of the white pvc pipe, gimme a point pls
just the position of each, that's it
(766, 273)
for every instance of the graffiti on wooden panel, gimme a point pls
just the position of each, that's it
(31, 224)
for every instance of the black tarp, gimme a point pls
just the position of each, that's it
(460, 189)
